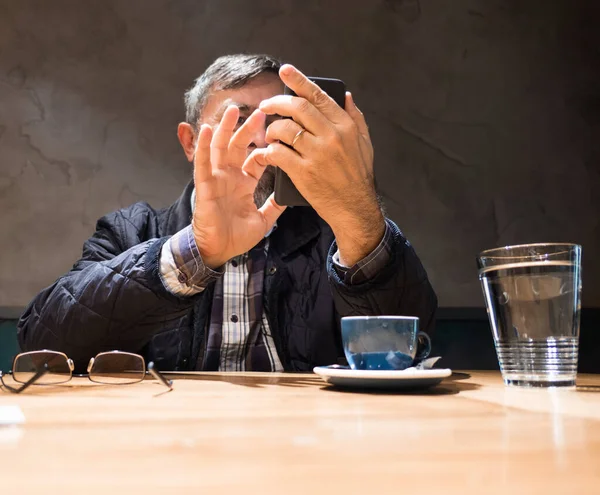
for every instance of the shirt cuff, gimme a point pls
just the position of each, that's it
(182, 271)
(370, 265)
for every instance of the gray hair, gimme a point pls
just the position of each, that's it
(227, 72)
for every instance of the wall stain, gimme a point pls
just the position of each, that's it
(475, 13)
(441, 150)
(63, 167)
(408, 10)
(16, 77)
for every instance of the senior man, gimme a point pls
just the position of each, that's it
(225, 278)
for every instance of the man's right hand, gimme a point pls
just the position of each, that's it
(226, 222)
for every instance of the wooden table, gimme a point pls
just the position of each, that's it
(289, 433)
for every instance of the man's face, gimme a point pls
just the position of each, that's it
(247, 99)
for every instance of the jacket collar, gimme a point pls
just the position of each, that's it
(179, 214)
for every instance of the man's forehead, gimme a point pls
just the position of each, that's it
(213, 113)
(244, 107)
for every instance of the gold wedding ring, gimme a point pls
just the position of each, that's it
(297, 136)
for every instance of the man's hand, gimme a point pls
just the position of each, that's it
(331, 163)
(226, 221)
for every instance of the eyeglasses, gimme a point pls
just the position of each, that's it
(53, 368)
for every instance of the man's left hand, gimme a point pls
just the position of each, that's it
(331, 162)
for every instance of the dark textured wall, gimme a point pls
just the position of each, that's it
(485, 117)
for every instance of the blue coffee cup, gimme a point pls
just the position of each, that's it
(383, 342)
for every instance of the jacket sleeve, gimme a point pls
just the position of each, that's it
(113, 298)
(401, 287)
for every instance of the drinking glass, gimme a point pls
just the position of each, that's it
(533, 299)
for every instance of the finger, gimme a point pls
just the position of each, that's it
(222, 136)
(256, 163)
(276, 154)
(300, 110)
(359, 120)
(271, 211)
(284, 157)
(357, 116)
(287, 131)
(244, 136)
(202, 164)
(305, 88)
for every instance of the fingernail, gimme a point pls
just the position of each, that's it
(286, 69)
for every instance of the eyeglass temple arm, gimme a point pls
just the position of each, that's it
(158, 375)
(38, 374)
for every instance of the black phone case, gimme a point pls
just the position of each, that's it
(286, 193)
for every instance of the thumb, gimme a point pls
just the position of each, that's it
(256, 163)
(357, 116)
(270, 212)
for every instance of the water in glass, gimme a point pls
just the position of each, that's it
(534, 313)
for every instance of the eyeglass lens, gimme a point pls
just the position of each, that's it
(117, 367)
(28, 364)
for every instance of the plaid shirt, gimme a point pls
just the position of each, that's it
(239, 337)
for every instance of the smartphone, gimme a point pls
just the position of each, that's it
(286, 193)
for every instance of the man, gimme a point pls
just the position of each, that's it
(225, 278)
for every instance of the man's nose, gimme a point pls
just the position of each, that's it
(259, 139)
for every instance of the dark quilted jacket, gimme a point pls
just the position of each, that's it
(113, 297)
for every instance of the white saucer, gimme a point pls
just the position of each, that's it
(410, 378)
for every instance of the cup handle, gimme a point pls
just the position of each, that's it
(423, 346)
